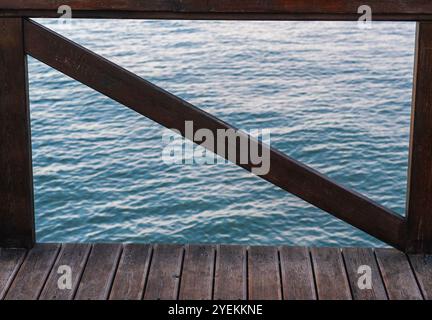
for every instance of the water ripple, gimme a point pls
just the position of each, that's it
(334, 97)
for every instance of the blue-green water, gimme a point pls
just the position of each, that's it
(334, 96)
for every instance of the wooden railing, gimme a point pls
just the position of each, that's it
(20, 37)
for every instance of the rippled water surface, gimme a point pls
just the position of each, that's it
(334, 96)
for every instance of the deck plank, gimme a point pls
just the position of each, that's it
(356, 257)
(198, 272)
(397, 275)
(230, 273)
(33, 273)
(73, 256)
(297, 275)
(422, 266)
(165, 272)
(264, 275)
(99, 272)
(10, 262)
(132, 273)
(330, 274)
(221, 272)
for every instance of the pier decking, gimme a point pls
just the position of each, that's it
(134, 271)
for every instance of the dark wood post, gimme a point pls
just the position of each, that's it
(419, 195)
(16, 179)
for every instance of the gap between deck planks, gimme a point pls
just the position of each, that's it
(204, 272)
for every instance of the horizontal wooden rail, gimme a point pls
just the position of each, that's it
(172, 112)
(403, 10)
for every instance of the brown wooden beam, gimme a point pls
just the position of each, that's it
(223, 9)
(16, 180)
(419, 195)
(172, 112)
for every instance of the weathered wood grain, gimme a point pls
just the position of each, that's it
(297, 275)
(73, 256)
(230, 273)
(34, 271)
(103, 271)
(224, 9)
(99, 272)
(10, 262)
(422, 266)
(165, 272)
(419, 199)
(131, 273)
(330, 275)
(264, 275)
(363, 257)
(397, 275)
(198, 272)
(16, 177)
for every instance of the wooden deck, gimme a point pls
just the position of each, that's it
(132, 271)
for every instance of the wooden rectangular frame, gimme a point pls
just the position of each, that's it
(411, 234)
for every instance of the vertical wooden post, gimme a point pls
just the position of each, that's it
(419, 195)
(16, 179)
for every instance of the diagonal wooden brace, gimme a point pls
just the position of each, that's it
(172, 112)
